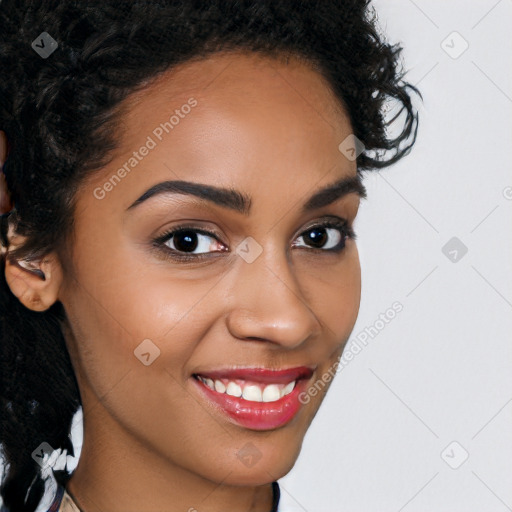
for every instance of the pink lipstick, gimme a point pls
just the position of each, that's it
(256, 398)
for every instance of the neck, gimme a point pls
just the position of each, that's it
(111, 477)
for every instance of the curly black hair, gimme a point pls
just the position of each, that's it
(59, 115)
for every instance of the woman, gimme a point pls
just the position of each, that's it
(180, 185)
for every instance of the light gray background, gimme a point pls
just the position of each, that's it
(441, 371)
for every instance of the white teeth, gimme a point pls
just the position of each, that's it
(271, 393)
(234, 389)
(219, 386)
(288, 388)
(208, 382)
(250, 392)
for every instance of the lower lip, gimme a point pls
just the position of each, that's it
(257, 415)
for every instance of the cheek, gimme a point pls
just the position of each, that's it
(129, 314)
(335, 292)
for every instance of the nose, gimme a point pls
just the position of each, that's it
(268, 304)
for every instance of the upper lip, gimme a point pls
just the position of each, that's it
(259, 374)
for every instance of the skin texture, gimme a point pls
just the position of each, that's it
(270, 130)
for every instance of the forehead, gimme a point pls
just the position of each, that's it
(233, 89)
(231, 119)
(241, 77)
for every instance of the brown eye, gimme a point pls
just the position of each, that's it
(329, 236)
(189, 240)
(318, 237)
(185, 241)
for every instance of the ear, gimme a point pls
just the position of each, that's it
(35, 284)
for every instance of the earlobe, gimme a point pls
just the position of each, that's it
(35, 284)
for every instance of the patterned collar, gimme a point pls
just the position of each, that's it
(63, 502)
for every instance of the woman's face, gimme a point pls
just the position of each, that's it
(142, 321)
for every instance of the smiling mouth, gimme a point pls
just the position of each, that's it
(254, 384)
(262, 400)
(248, 390)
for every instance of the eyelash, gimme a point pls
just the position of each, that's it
(345, 230)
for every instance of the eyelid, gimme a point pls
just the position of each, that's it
(335, 220)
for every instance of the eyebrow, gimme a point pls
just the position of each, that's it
(241, 202)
